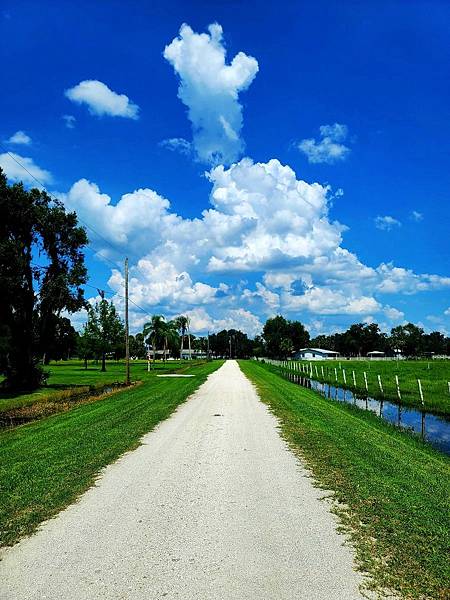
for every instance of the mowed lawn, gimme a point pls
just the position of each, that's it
(392, 490)
(64, 375)
(47, 464)
(434, 376)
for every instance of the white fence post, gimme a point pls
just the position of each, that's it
(380, 384)
(420, 391)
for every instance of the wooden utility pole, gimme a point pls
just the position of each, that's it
(127, 341)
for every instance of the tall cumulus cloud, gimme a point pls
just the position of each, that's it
(210, 88)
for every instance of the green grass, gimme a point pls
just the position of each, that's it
(72, 374)
(392, 490)
(46, 465)
(434, 376)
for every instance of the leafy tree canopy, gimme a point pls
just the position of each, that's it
(41, 273)
(104, 331)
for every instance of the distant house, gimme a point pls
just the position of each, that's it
(376, 354)
(194, 354)
(315, 354)
(157, 354)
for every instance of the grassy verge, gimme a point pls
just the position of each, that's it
(392, 490)
(46, 465)
(434, 376)
(71, 375)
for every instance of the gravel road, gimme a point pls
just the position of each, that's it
(212, 506)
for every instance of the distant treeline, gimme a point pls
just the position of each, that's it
(42, 278)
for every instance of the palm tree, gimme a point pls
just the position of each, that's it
(154, 332)
(170, 334)
(181, 323)
(189, 336)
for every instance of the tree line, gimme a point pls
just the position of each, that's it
(42, 274)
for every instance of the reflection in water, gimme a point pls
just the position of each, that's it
(433, 429)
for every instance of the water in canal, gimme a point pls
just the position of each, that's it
(432, 428)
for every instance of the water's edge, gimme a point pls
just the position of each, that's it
(433, 429)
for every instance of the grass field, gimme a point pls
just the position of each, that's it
(72, 374)
(47, 464)
(434, 376)
(392, 490)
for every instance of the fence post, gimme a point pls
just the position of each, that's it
(420, 391)
(398, 388)
(354, 379)
(380, 384)
(365, 381)
(344, 376)
(335, 373)
(321, 368)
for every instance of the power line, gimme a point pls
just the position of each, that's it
(89, 245)
(78, 217)
(54, 197)
(100, 289)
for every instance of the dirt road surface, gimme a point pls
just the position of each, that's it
(212, 506)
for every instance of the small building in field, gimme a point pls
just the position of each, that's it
(376, 354)
(315, 354)
(158, 354)
(185, 355)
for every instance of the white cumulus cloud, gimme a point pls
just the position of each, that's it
(386, 223)
(19, 138)
(23, 168)
(177, 145)
(69, 121)
(101, 100)
(329, 148)
(237, 318)
(210, 88)
(263, 223)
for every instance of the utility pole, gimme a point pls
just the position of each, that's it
(208, 346)
(127, 341)
(230, 345)
(189, 337)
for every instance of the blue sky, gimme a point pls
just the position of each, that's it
(352, 96)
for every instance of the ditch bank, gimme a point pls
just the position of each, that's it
(432, 428)
(59, 402)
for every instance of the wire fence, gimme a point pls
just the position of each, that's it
(416, 384)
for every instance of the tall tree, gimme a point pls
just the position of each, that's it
(170, 336)
(137, 346)
(278, 329)
(60, 339)
(408, 338)
(219, 344)
(154, 332)
(182, 324)
(33, 225)
(104, 329)
(85, 346)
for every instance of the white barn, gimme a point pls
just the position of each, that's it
(315, 354)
